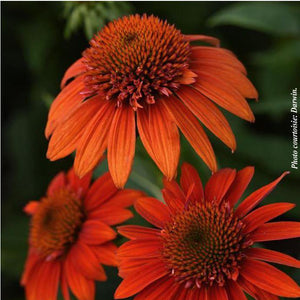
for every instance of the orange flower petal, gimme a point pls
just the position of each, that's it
(31, 207)
(59, 181)
(256, 197)
(74, 70)
(203, 294)
(188, 77)
(192, 130)
(129, 266)
(123, 198)
(136, 282)
(254, 291)
(234, 291)
(203, 38)
(174, 189)
(218, 55)
(160, 137)
(217, 292)
(145, 248)
(32, 260)
(121, 145)
(173, 195)
(249, 288)
(269, 278)
(272, 256)
(66, 136)
(182, 294)
(111, 216)
(153, 211)
(43, 283)
(218, 185)
(224, 95)
(64, 286)
(86, 262)
(239, 185)
(94, 140)
(208, 114)
(229, 74)
(174, 203)
(138, 232)
(106, 253)
(100, 191)
(265, 214)
(189, 176)
(80, 185)
(95, 232)
(276, 231)
(82, 287)
(163, 288)
(66, 101)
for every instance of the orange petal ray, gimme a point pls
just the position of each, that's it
(82, 287)
(272, 256)
(229, 74)
(218, 185)
(138, 281)
(265, 214)
(234, 291)
(218, 55)
(276, 231)
(190, 176)
(224, 95)
(100, 191)
(256, 197)
(86, 262)
(65, 102)
(94, 140)
(153, 211)
(208, 114)
(95, 232)
(138, 232)
(239, 185)
(160, 137)
(192, 130)
(121, 145)
(269, 279)
(67, 134)
(74, 70)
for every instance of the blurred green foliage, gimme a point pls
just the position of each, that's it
(281, 19)
(264, 35)
(92, 15)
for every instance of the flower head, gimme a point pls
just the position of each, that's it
(203, 246)
(139, 69)
(70, 235)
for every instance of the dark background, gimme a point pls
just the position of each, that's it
(40, 40)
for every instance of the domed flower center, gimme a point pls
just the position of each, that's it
(134, 59)
(56, 223)
(203, 245)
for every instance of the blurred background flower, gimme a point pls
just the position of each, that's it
(40, 40)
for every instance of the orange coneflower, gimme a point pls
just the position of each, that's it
(202, 248)
(70, 236)
(140, 65)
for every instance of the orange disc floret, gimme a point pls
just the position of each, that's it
(70, 235)
(202, 243)
(135, 59)
(142, 77)
(56, 223)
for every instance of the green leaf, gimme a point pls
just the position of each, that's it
(92, 15)
(274, 18)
